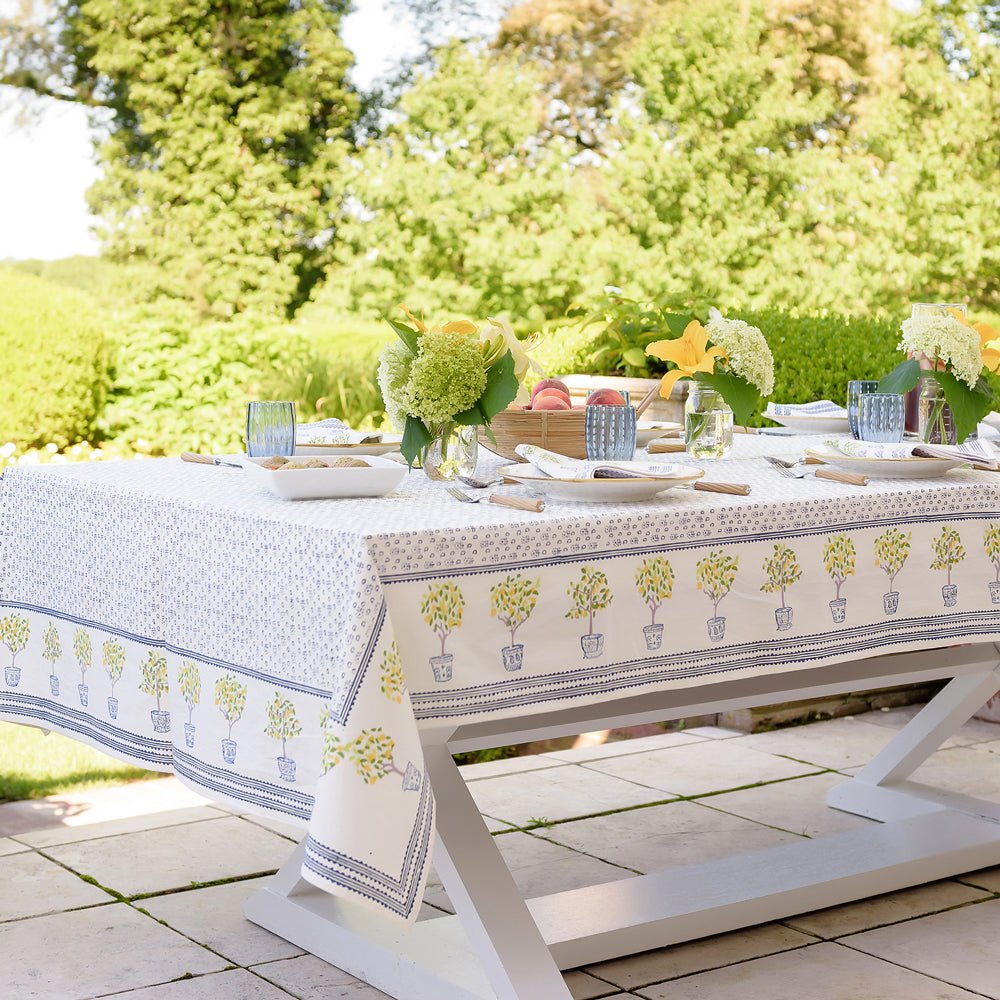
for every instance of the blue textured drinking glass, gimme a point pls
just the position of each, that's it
(610, 433)
(270, 429)
(855, 388)
(881, 417)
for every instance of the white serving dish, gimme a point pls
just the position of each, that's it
(885, 468)
(389, 443)
(596, 490)
(383, 476)
(650, 430)
(820, 423)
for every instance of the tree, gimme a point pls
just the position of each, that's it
(84, 652)
(189, 681)
(948, 550)
(113, 658)
(393, 678)
(654, 579)
(282, 722)
(715, 576)
(891, 550)
(230, 699)
(512, 600)
(155, 680)
(14, 633)
(839, 556)
(782, 571)
(991, 543)
(224, 129)
(53, 647)
(370, 752)
(590, 593)
(442, 608)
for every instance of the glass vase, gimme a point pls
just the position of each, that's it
(453, 452)
(935, 425)
(708, 423)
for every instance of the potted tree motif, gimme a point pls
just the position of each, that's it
(283, 724)
(948, 553)
(511, 602)
(782, 571)
(14, 633)
(839, 558)
(84, 653)
(654, 579)
(52, 652)
(155, 682)
(991, 543)
(891, 549)
(715, 575)
(442, 608)
(589, 594)
(393, 680)
(189, 681)
(231, 699)
(371, 753)
(113, 658)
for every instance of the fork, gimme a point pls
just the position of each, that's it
(518, 503)
(794, 470)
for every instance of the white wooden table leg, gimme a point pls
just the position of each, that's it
(494, 916)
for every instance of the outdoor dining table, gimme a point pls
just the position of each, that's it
(320, 662)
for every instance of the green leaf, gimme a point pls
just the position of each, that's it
(635, 356)
(742, 397)
(902, 378)
(968, 406)
(416, 437)
(501, 390)
(677, 323)
(406, 334)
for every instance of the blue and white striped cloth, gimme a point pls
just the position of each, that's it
(820, 408)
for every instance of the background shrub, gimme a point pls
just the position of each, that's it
(53, 346)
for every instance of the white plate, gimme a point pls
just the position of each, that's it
(885, 468)
(650, 430)
(595, 490)
(389, 442)
(383, 476)
(820, 423)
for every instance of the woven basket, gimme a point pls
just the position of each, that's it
(561, 431)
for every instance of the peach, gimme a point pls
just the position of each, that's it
(605, 397)
(558, 393)
(549, 383)
(552, 402)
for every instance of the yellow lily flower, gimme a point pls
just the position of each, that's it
(453, 326)
(689, 352)
(989, 341)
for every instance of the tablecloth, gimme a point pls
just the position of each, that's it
(284, 656)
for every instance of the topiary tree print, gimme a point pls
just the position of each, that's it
(113, 658)
(782, 570)
(230, 699)
(393, 680)
(442, 608)
(948, 553)
(839, 561)
(715, 576)
(589, 593)
(512, 600)
(14, 633)
(52, 652)
(891, 550)
(84, 653)
(991, 544)
(371, 752)
(189, 682)
(654, 579)
(283, 724)
(154, 681)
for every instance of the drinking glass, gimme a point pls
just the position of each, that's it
(855, 388)
(270, 429)
(610, 433)
(880, 417)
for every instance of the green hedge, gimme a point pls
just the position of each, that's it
(52, 342)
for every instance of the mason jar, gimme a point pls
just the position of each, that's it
(935, 424)
(708, 423)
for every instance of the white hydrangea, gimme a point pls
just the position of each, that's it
(938, 335)
(747, 350)
(393, 374)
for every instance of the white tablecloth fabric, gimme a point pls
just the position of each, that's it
(283, 656)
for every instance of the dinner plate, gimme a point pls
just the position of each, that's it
(382, 476)
(885, 468)
(389, 442)
(819, 423)
(595, 490)
(650, 430)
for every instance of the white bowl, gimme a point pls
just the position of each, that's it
(382, 476)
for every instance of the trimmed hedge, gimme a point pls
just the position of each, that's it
(53, 347)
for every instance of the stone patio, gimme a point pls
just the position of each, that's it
(99, 900)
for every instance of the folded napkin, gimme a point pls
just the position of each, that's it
(334, 431)
(561, 467)
(821, 408)
(973, 451)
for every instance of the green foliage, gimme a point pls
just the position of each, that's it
(892, 549)
(52, 341)
(948, 550)
(715, 575)
(512, 600)
(839, 559)
(654, 579)
(443, 607)
(782, 570)
(155, 680)
(991, 545)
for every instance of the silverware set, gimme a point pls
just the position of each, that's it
(518, 503)
(800, 469)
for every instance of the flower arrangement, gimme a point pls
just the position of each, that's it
(956, 352)
(727, 355)
(452, 374)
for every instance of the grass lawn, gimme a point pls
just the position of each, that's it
(33, 766)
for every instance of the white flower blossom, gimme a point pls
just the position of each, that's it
(746, 348)
(393, 374)
(940, 336)
(518, 348)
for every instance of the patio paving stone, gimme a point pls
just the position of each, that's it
(649, 967)
(88, 953)
(57, 835)
(622, 748)
(511, 765)
(558, 793)
(150, 861)
(214, 917)
(715, 732)
(966, 770)
(663, 837)
(709, 766)
(584, 986)
(237, 984)
(33, 885)
(987, 878)
(891, 908)
(310, 978)
(821, 972)
(973, 732)
(9, 846)
(970, 959)
(839, 743)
